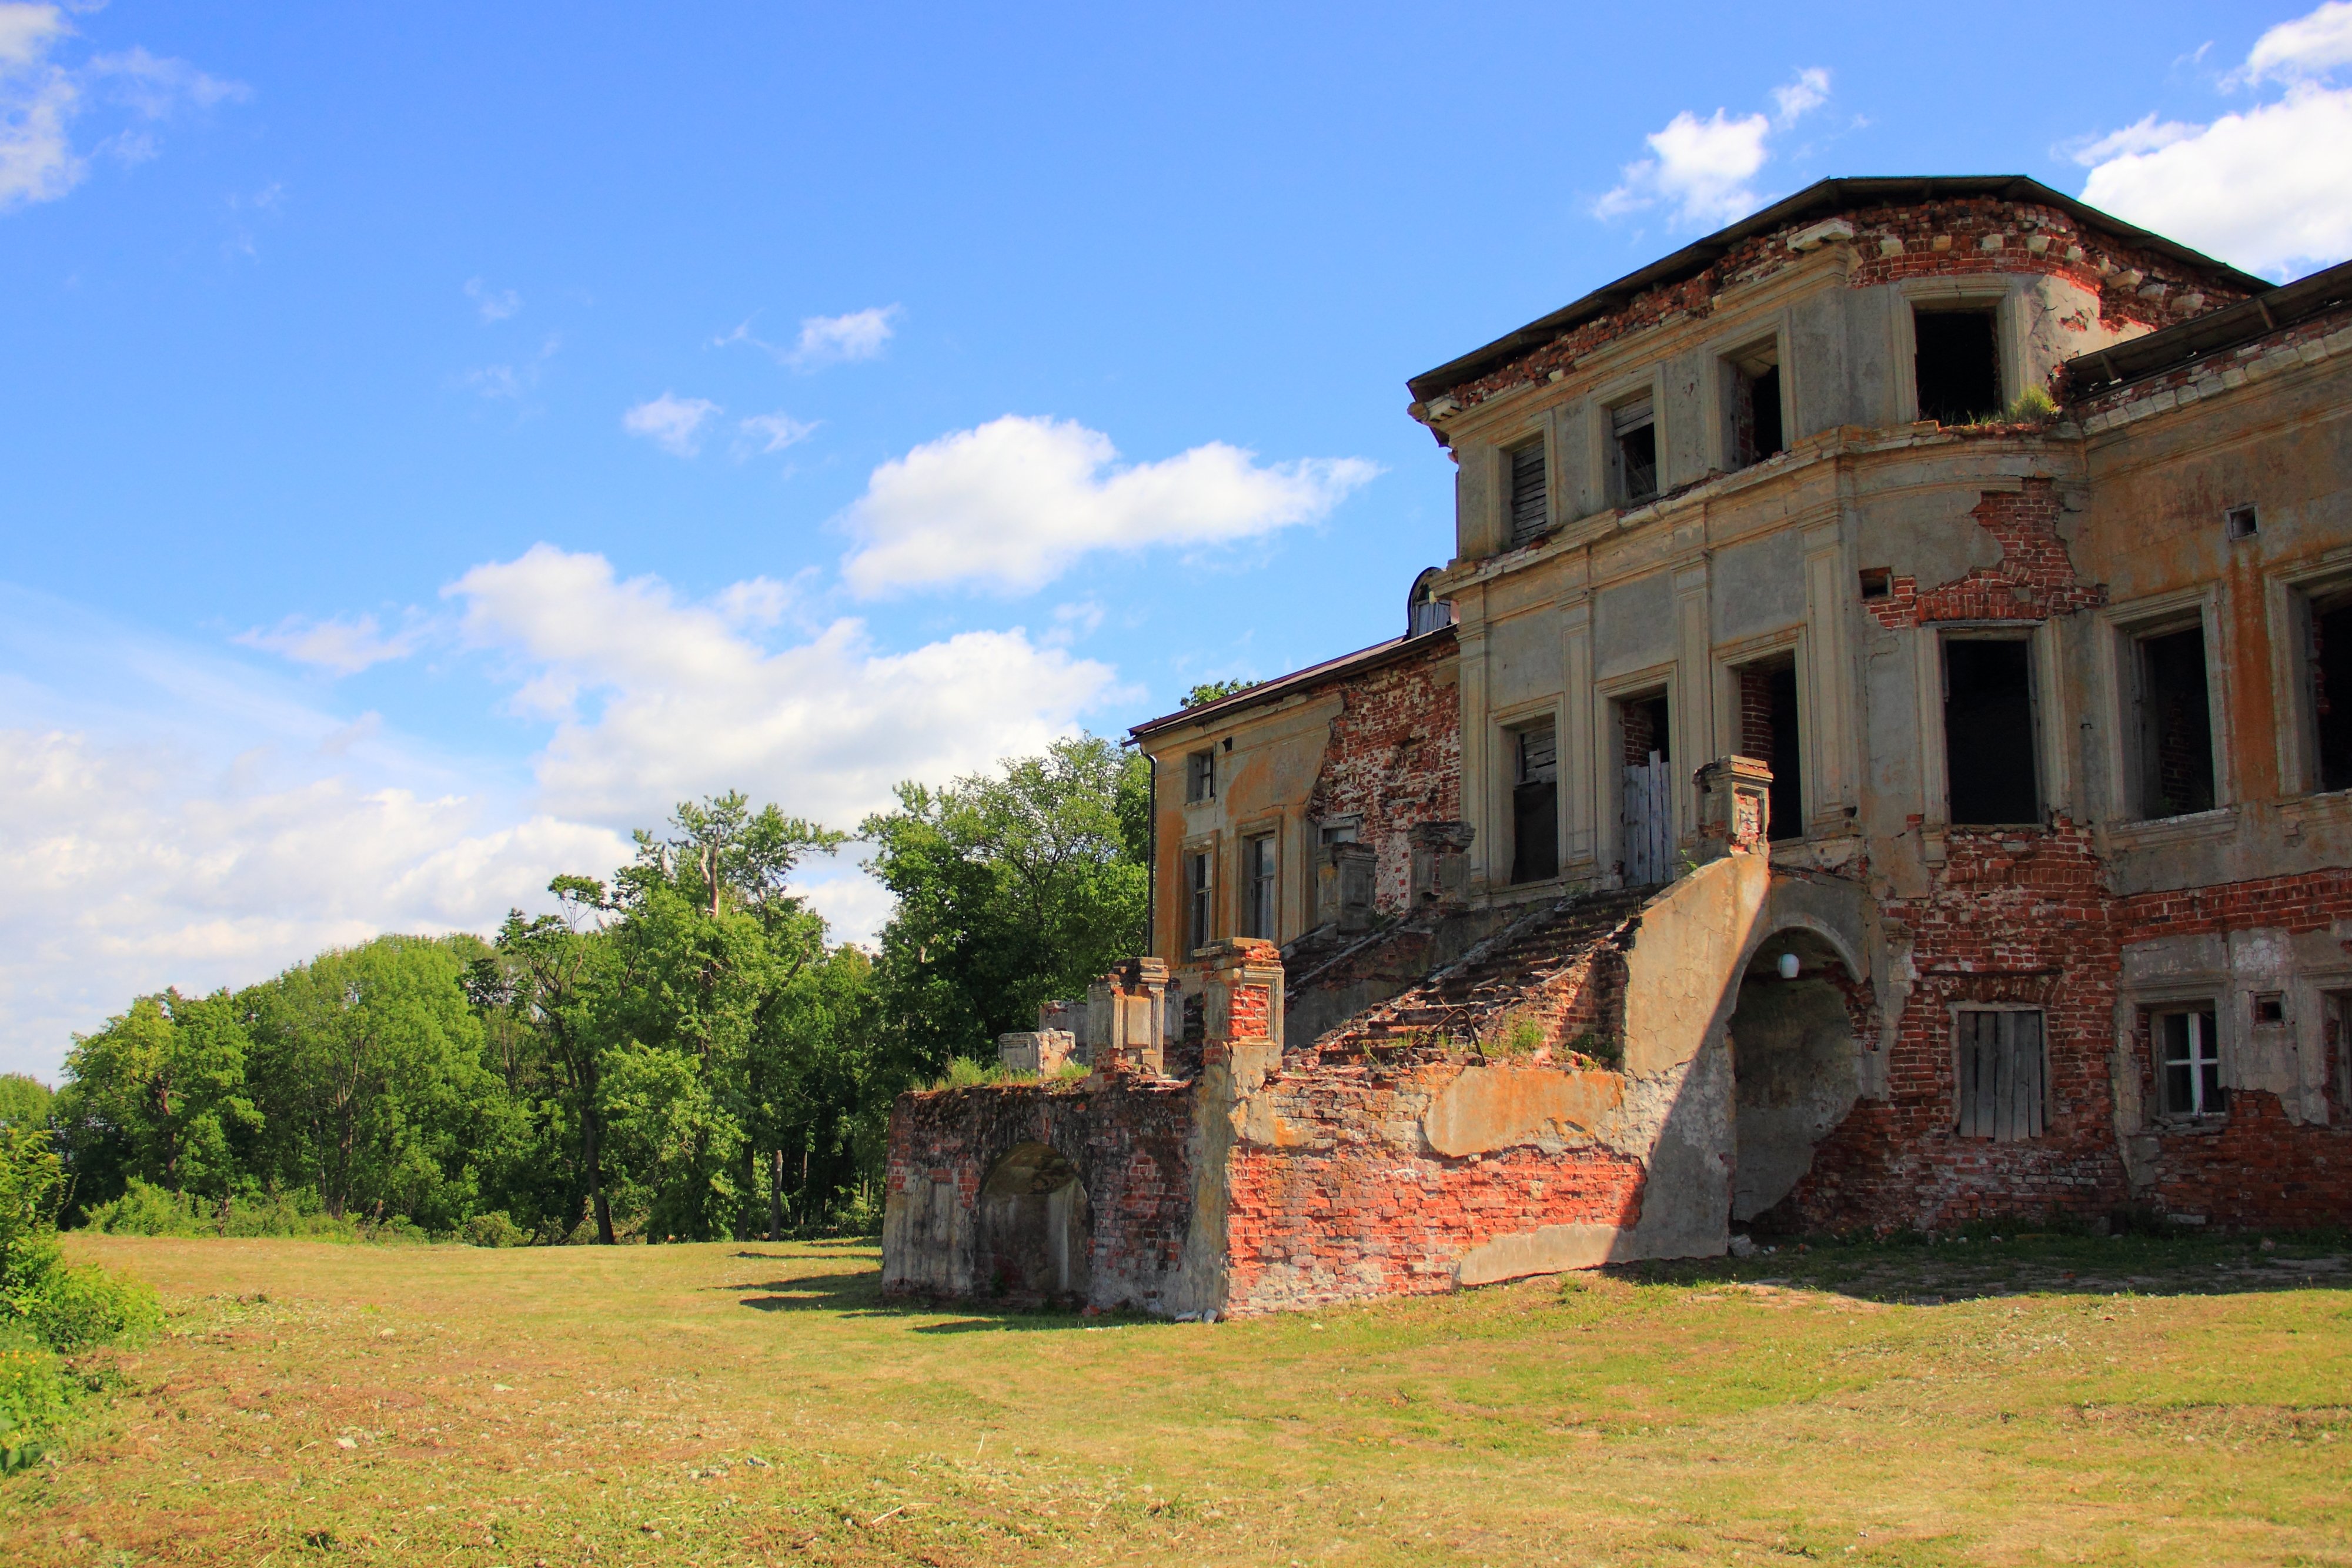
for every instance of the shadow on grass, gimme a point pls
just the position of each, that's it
(859, 1295)
(1984, 1264)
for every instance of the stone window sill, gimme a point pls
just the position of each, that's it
(2153, 831)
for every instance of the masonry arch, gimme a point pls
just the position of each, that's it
(1795, 1060)
(1033, 1229)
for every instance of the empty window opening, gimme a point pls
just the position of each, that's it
(1768, 732)
(1877, 582)
(1529, 514)
(2176, 728)
(1633, 444)
(1754, 379)
(2331, 690)
(2190, 1063)
(1200, 776)
(1258, 869)
(1988, 732)
(2002, 1075)
(2240, 522)
(1198, 885)
(1534, 802)
(2270, 1010)
(1958, 365)
(1646, 790)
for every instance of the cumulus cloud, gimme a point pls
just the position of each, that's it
(2269, 188)
(493, 304)
(1703, 171)
(1011, 504)
(656, 697)
(670, 421)
(39, 96)
(341, 647)
(824, 339)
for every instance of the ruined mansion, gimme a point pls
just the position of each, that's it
(1879, 756)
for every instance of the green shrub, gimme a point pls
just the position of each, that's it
(145, 1210)
(72, 1307)
(964, 1073)
(494, 1229)
(2033, 406)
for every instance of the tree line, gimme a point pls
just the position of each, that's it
(679, 1051)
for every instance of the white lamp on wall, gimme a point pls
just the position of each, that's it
(1788, 965)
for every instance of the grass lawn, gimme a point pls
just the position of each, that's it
(2037, 1400)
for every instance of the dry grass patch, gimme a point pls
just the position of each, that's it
(2062, 1401)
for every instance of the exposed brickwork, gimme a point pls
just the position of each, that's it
(2033, 580)
(1395, 757)
(1944, 239)
(1354, 1205)
(1130, 1141)
(2323, 337)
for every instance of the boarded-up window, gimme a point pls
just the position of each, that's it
(2003, 1074)
(1530, 511)
(1535, 804)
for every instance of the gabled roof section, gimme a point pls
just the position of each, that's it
(1820, 199)
(1208, 715)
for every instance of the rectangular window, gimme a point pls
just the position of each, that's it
(2003, 1072)
(1768, 732)
(1198, 884)
(1258, 871)
(2188, 1064)
(1535, 803)
(1753, 383)
(1634, 450)
(2176, 728)
(2331, 690)
(1341, 829)
(1989, 744)
(1529, 516)
(1200, 776)
(1958, 365)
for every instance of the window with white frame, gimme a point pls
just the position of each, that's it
(2003, 1072)
(2188, 1062)
(1259, 880)
(1200, 886)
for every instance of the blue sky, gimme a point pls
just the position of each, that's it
(438, 439)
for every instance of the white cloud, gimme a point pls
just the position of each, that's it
(342, 647)
(1012, 503)
(37, 162)
(40, 97)
(831, 339)
(774, 431)
(672, 423)
(2270, 188)
(2310, 46)
(495, 304)
(824, 339)
(1703, 170)
(656, 698)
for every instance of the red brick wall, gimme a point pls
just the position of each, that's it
(2037, 927)
(2033, 580)
(1130, 1141)
(1353, 1209)
(1395, 757)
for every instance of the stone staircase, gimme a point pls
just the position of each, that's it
(1541, 959)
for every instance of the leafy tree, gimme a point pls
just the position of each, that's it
(1012, 888)
(25, 1100)
(1210, 691)
(159, 1094)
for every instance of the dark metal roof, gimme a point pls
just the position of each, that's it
(1208, 714)
(2227, 327)
(1821, 199)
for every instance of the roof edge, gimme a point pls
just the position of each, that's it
(1362, 659)
(2286, 305)
(1837, 192)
